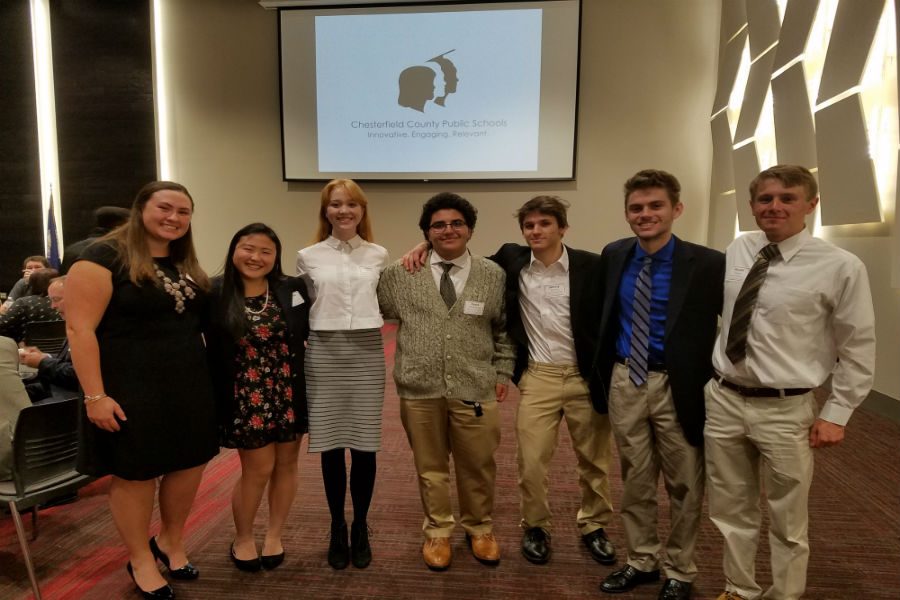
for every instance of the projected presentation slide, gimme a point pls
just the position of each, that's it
(449, 91)
(434, 93)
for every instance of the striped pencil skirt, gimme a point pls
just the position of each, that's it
(345, 389)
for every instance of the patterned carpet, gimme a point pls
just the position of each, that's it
(854, 529)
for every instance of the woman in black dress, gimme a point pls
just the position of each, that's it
(260, 320)
(134, 303)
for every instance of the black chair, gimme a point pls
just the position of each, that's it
(48, 336)
(45, 448)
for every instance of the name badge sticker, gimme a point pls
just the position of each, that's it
(296, 299)
(473, 307)
(737, 273)
(554, 291)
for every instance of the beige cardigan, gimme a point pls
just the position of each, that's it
(13, 399)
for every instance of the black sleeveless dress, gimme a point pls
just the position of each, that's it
(153, 363)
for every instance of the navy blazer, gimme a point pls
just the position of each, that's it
(584, 303)
(222, 348)
(695, 302)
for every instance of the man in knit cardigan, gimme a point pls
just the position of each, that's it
(452, 366)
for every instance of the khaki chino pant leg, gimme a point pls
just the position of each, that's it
(547, 393)
(473, 441)
(746, 436)
(650, 440)
(426, 423)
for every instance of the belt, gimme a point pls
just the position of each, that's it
(655, 367)
(760, 392)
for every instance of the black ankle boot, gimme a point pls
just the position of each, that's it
(338, 548)
(360, 551)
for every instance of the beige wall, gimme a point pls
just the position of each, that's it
(635, 111)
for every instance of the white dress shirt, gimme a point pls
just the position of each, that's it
(459, 273)
(814, 308)
(342, 278)
(546, 314)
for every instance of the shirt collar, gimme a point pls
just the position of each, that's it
(791, 246)
(562, 261)
(461, 261)
(354, 242)
(664, 254)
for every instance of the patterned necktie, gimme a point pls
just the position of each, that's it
(640, 325)
(736, 350)
(448, 292)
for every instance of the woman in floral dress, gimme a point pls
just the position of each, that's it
(259, 322)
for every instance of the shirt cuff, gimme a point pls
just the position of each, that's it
(835, 413)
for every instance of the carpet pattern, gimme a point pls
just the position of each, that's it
(854, 533)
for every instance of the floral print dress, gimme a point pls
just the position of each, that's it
(262, 388)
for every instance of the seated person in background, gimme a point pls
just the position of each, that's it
(20, 289)
(12, 400)
(35, 307)
(106, 218)
(55, 374)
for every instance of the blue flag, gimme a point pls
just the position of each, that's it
(52, 238)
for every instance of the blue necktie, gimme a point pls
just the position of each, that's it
(640, 325)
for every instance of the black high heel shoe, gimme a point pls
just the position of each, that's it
(165, 592)
(188, 571)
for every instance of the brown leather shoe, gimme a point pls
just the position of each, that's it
(485, 548)
(436, 552)
(726, 595)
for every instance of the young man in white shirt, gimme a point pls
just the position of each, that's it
(797, 309)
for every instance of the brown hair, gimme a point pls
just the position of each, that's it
(553, 206)
(789, 176)
(130, 241)
(364, 229)
(654, 178)
(37, 258)
(40, 280)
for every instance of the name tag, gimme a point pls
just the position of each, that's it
(473, 307)
(296, 299)
(737, 273)
(555, 291)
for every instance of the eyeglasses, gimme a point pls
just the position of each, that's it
(456, 224)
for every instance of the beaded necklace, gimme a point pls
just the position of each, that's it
(177, 289)
(260, 311)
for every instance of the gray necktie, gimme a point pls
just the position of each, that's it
(640, 325)
(736, 349)
(448, 292)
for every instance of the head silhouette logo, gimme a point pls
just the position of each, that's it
(417, 83)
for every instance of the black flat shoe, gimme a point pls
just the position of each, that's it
(251, 566)
(339, 547)
(674, 589)
(626, 579)
(166, 592)
(600, 547)
(536, 545)
(186, 572)
(360, 550)
(271, 561)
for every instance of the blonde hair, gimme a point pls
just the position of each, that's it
(364, 229)
(130, 241)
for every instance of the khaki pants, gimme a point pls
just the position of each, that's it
(650, 439)
(437, 427)
(549, 393)
(746, 436)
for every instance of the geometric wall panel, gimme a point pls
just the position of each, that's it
(846, 174)
(854, 28)
(754, 96)
(722, 165)
(734, 16)
(795, 132)
(729, 63)
(764, 25)
(798, 20)
(746, 167)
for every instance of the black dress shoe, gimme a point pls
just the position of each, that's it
(601, 548)
(270, 561)
(674, 589)
(627, 578)
(536, 545)
(251, 566)
(188, 571)
(339, 547)
(360, 550)
(165, 592)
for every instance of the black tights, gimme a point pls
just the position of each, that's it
(362, 483)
